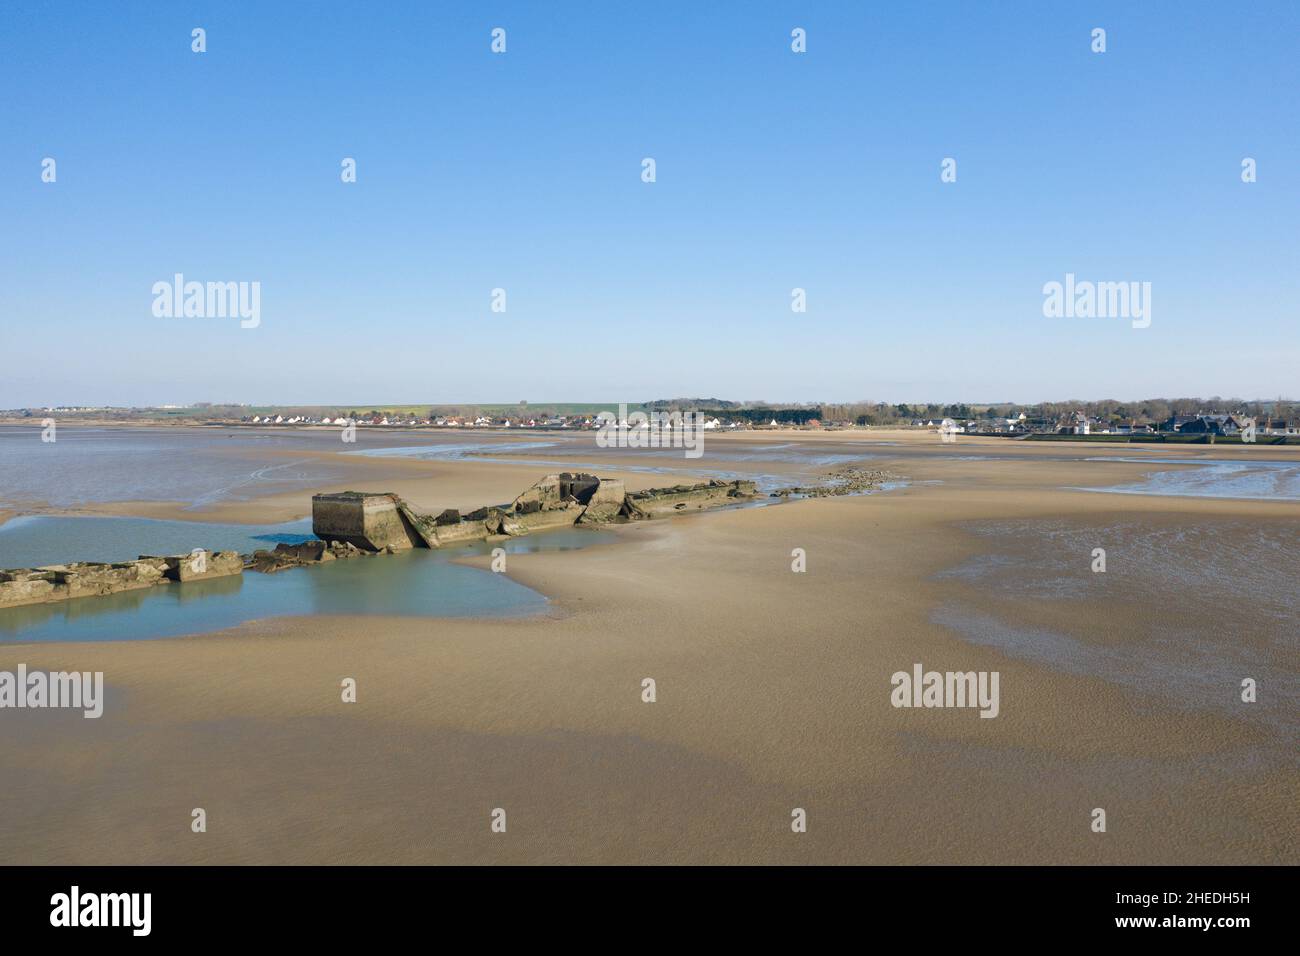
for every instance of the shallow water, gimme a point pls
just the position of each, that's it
(453, 451)
(414, 583)
(198, 465)
(35, 540)
(1267, 480)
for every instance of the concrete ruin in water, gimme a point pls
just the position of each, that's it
(357, 523)
(381, 521)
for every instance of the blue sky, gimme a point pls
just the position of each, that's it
(522, 171)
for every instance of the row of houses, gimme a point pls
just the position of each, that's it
(1217, 424)
(1200, 424)
(1078, 423)
(1074, 423)
(482, 421)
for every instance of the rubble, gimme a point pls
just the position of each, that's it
(657, 502)
(287, 556)
(199, 564)
(61, 582)
(846, 481)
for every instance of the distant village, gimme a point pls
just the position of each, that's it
(480, 421)
(1075, 423)
(1155, 418)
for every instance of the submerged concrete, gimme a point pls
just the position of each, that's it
(660, 502)
(199, 564)
(62, 582)
(382, 521)
(354, 523)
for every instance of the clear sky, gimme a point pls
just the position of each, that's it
(522, 171)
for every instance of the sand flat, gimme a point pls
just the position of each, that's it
(773, 693)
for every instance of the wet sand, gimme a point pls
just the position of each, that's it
(497, 477)
(773, 693)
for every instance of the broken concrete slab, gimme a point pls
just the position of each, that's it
(451, 527)
(287, 556)
(27, 586)
(661, 502)
(199, 565)
(563, 515)
(61, 582)
(90, 578)
(372, 521)
(606, 502)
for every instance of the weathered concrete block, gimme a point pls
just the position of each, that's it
(153, 570)
(558, 517)
(297, 555)
(25, 586)
(491, 518)
(373, 521)
(541, 496)
(605, 503)
(552, 491)
(307, 552)
(659, 502)
(90, 578)
(470, 529)
(552, 501)
(199, 564)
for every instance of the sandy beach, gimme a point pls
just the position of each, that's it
(773, 693)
